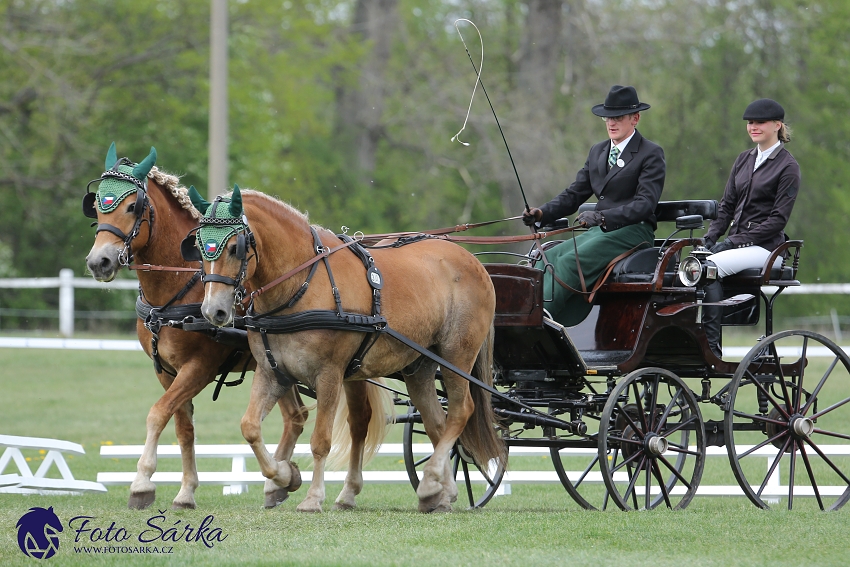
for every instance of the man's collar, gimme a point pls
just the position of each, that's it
(622, 145)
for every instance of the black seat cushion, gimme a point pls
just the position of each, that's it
(783, 273)
(640, 268)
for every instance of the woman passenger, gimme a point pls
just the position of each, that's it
(755, 208)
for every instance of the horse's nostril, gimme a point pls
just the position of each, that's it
(220, 316)
(105, 263)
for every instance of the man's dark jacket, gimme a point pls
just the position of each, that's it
(626, 195)
(758, 203)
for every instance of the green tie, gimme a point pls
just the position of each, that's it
(612, 157)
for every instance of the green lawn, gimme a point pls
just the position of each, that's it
(94, 398)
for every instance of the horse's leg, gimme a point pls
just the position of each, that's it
(437, 483)
(359, 414)
(328, 386)
(185, 428)
(190, 380)
(265, 392)
(294, 416)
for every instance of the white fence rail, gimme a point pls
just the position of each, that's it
(238, 478)
(67, 283)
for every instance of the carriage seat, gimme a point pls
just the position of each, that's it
(640, 266)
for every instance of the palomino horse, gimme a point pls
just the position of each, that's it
(433, 292)
(143, 213)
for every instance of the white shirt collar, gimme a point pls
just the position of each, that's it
(622, 145)
(762, 156)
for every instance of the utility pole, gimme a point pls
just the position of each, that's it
(217, 169)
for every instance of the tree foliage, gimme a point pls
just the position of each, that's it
(346, 108)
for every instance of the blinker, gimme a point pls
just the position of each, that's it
(188, 249)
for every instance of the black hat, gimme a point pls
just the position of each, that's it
(764, 109)
(619, 102)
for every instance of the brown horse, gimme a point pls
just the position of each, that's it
(144, 214)
(433, 292)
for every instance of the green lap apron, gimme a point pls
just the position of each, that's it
(595, 250)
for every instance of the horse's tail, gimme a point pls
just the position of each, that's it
(381, 403)
(480, 437)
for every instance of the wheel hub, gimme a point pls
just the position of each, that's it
(801, 426)
(656, 445)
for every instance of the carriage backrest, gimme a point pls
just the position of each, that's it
(668, 211)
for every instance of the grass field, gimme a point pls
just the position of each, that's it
(94, 398)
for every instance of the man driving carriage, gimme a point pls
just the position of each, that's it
(626, 174)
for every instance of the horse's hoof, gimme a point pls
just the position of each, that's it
(183, 505)
(309, 508)
(276, 498)
(343, 506)
(434, 503)
(295, 480)
(141, 500)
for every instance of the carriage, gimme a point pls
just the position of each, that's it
(625, 387)
(627, 403)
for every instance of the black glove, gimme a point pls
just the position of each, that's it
(531, 216)
(721, 246)
(590, 218)
(709, 243)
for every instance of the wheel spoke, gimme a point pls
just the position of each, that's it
(653, 402)
(626, 462)
(762, 444)
(811, 475)
(785, 395)
(630, 489)
(423, 460)
(828, 461)
(679, 426)
(587, 471)
(769, 396)
(647, 496)
(799, 392)
(638, 398)
(679, 449)
(674, 471)
(657, 472)
(815, 393)
(468, 483)
(624, 440)
(763, 418)
(791, 471)
(830, 408)
(667, 411)
(773, 467)
(635, 427)
(831, 434)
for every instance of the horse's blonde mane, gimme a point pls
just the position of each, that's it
(277, 201)
(172, 183)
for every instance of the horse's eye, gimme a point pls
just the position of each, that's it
(131, 208)
(231, 249)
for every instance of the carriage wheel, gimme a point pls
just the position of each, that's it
(476, 484)
(578, 470)
(786, 426)
(653, 448)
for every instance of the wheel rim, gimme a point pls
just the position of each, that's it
(787, 420)
(652, 451)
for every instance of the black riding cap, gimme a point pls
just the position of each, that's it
(764, 109)
(619, 102)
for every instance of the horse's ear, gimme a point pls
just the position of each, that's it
(141, 171)
(236, 202)
(111, 157)
(197, 201)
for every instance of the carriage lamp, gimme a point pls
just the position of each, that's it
(692, 271)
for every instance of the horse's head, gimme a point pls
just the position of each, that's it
(225, 244)
(120, 205)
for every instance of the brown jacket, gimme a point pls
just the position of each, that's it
(757, 204)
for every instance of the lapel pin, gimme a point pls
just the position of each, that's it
(621, 163)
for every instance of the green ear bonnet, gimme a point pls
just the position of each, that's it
(121, 179)
(222, 219)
